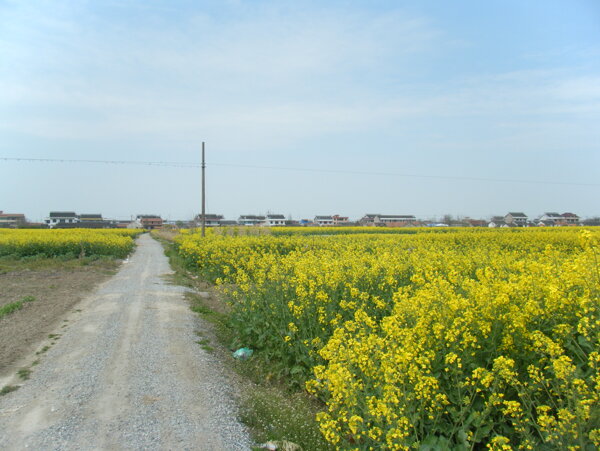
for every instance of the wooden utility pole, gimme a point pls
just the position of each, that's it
(203, 192)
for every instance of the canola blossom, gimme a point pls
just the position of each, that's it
(455, 340)
(67, 242)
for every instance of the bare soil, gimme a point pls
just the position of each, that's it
(56, 286)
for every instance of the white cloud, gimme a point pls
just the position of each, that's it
(270, 76)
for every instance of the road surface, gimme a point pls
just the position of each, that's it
(126, 373)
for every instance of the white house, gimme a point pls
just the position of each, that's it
(58, 218)
(551, 218)
(323, 221)
(251, 220)
(274, 220)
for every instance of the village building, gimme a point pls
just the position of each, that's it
(498, 221)
(368, 220)
(550, 219)
(149, 222)
(274, 221)
(251, 220)
(517, 219)
(96, 217)
(476, 222)
(11, 219)
(211, 220)
(58, 219)
(387, 220)
(570, 219)
(323, 221)
(94, 221)
(340, 220)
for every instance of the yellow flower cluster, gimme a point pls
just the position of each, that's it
(460, 339)
(64, 242)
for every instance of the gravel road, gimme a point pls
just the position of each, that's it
(126, 374)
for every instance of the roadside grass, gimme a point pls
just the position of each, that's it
(269, 406)
(7, 309)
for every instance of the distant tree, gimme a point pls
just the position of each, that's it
(591, 221)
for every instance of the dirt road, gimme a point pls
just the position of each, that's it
(126, 373)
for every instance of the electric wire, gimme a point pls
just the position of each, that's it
(183, 164)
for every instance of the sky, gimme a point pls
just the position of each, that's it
(307, 108)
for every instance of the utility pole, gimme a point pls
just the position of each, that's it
(203, 192)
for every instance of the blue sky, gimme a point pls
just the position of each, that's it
(494, 90)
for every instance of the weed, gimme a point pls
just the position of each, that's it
(205, 344)
(7, 309)
(41, 351)
(24, 373)
(7, 389)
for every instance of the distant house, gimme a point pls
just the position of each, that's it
(570, 219)
(90, 217)
(476, 222)
(61, 219)
(340, 220)
(150, 222)
(323, 221)
(517, 219)
(369, 220)
(550, 219)
(397, 220)
(251, 220)
(498, 221)
(274, 220)
(95, 221)
(11, 219)
(211, 220)
(387, 220)
(121, 224)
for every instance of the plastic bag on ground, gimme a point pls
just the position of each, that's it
(243, 354)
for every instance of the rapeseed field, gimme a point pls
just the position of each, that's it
(67, 242)
(464, 339)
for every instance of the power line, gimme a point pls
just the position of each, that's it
(314, 170)
(124, 162)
